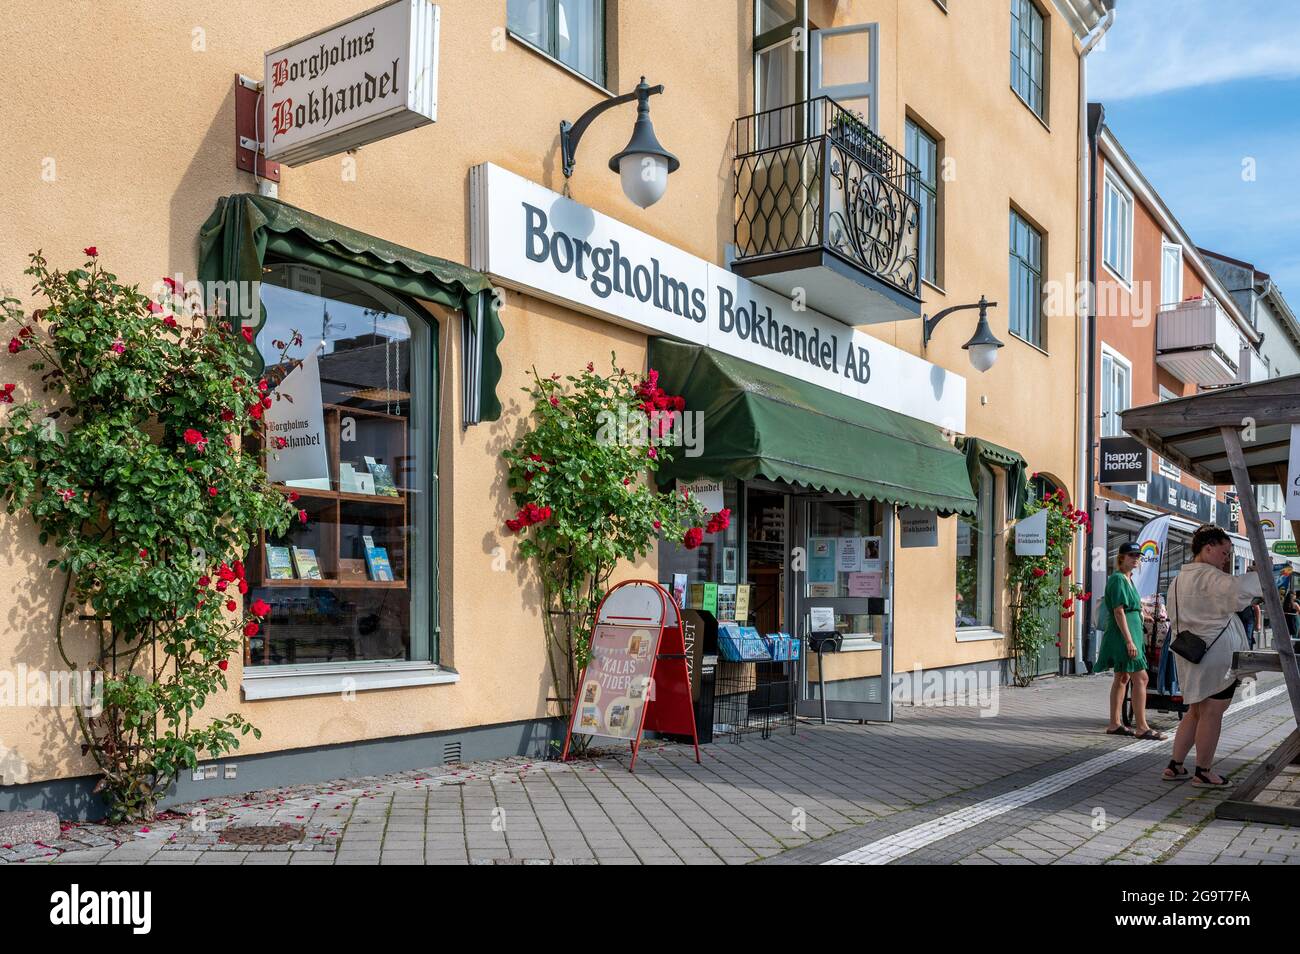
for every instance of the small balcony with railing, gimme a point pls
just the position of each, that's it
(825, 205)
(1198, 342)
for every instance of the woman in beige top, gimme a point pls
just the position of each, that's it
(1204, 599)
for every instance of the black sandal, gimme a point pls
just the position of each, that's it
(1180, 773)
(1151, 735)
(1201, 779)
(1120, 730)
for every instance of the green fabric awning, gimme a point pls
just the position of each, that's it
(244, 229)
(977, 449)
(761, 423)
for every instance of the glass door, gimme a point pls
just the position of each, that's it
(842, 588)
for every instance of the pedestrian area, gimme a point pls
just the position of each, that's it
(1030, 780)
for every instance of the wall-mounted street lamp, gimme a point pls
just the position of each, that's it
(983, 347)
(643, 165)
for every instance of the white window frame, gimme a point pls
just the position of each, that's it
(1122, 270)
(1169, 297)
(1110, 422)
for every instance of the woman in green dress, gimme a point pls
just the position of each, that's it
(1122, 646)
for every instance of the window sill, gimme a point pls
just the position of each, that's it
(978, 635)
(284, 682)
(854, 643)
(1033, 112)
(1128, 285)
(937, 287)
(1028, 343)
(554, 62)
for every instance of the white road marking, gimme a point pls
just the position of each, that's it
(899, 845)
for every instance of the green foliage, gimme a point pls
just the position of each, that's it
(131, 463)
(1042, 589)
(579, 476)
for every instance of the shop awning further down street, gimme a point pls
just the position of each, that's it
(761, 423)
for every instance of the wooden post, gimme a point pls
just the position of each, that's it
(1263, 566)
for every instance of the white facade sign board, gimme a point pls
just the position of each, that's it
(536, 240)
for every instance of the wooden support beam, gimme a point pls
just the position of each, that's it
(1263, 567)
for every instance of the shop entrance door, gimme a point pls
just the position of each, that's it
(843, 582)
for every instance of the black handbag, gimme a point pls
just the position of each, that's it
(1189, 645)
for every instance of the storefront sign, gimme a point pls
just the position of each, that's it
(1123, 461)
(367, 78)
(1293, 477)
(1270, 522)
(1286, 548)
(707, 492)
(1031, 535)
(297, 416)
(534, 239)
(917, 528)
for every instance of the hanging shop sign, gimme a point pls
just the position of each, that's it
(638, 677)
(917, 528)
(1286, 548)
(1031, 535)
(707, 492)
(1270, 521)
(1123, 461)
(361, 80)
(536, 240)
(1293, 477)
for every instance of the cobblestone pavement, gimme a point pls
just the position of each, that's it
(1036, 783)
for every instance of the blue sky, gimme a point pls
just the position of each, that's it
(1195, 88)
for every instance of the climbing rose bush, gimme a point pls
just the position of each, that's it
(129, 460)
(1042, 587)
(581, 478)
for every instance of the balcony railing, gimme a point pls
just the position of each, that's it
(1197, 342)
(813, 176)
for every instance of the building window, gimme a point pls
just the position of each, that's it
(1025, 314)
(1027, 54)
(571, 31)
(353, 583)
(923, 152)
(975, 539)
(1117, 251)
(1116, 392)
(1171, 273)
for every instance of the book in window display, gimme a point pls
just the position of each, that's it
(278, 563)
(384, 485)
(304, 558)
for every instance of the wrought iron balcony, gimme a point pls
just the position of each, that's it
(825, 205)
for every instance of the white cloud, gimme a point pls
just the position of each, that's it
(1158, 46)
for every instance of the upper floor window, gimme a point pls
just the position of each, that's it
(1116, 392)
(571, 31)
(1025, 314)
(1027, 54)
(1171, 273)
(1117, 242)
(923, 152)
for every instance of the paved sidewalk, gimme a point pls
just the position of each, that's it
(1036, 783)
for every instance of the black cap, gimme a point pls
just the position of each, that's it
(1129, 549)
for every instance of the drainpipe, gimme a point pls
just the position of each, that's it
(1086, 335)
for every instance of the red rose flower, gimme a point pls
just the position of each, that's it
(260, 608)
(293, 496)
(255, 411)
(230, 605)
(693, 538)
(555, 402)
(223, 665)
(90, 251)
(227, 414)
(247, 334)
(205, 580)
(251, 629)
(513, 525)
(302, 516)
(15, 346)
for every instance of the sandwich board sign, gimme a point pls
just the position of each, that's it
(637, 678)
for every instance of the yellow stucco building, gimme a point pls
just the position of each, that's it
(845, 168)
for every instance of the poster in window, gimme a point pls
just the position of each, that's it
(297, 416)
(848, 554)
(871, 559)
(821, 560)
(963, 538)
